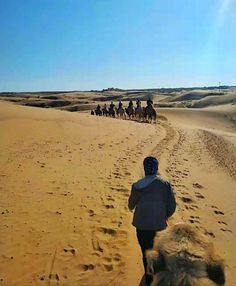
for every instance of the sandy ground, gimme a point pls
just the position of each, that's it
(65, 181)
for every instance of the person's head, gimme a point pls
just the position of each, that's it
(150, 165)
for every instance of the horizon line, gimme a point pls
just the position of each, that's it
(123, 89)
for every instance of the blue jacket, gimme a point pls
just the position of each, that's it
(154, 202)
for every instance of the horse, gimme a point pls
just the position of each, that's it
(130, 111)
(150, 114)
(120, 112)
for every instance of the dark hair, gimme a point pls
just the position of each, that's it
(150, 165)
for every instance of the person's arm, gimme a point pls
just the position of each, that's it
(171, 203)
(133, 198)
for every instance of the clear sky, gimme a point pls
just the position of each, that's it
(95, 44)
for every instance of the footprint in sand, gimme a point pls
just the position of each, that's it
(226, 230)
(218, 212)
(197, 186)
(117, 175)
(117, 257)
(110, 262)
(91, 213)
(108, 267)
(70, 250)
(185, 175)
(191, 207)
(222, 222)
(42, 277)
(108, 231)
(186, 200)
(199, 195)
(194, 219)
(209, 233)
(214, 207)
(109, 206)
(86, 267)
(96, 245)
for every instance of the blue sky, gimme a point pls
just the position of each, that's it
(95, 44)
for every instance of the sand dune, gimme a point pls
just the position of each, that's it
(194, 94)
(66, 177)
(64, 186)
(198, 99)
(74, 101)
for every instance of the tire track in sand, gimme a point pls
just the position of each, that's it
(198, 163)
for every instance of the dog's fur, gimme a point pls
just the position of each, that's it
(182, 256)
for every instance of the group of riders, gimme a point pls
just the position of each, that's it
(132, 112)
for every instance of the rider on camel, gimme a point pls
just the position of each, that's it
(112, 105)
(138, 102)
(120, 105)
(98, 110)
(149, 102)
(131, 103)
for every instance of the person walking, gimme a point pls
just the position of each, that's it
(154, 202)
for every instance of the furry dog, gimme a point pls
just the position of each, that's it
(182, 256)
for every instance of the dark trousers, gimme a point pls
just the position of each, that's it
(145, 239)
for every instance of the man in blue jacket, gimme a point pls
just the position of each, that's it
(154, 202)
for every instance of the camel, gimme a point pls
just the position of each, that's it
(139, 113)
(105, 111)
(150, 113)
(98, 111)
(111, 112)
(130, 111)
(183, 256)
(120, 112)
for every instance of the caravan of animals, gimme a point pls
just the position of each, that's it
(146, 114)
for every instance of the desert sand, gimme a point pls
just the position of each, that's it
(66, 178)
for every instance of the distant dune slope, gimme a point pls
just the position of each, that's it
(198, 99)
(87, 100)
(195, 94)
(216, 100)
